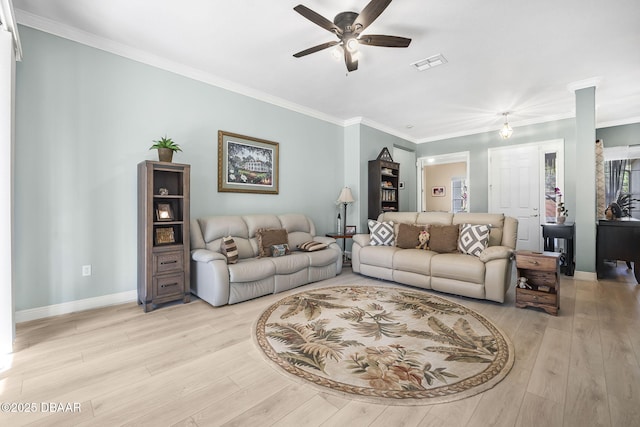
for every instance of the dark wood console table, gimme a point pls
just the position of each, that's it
(566, 231)
(618, 240)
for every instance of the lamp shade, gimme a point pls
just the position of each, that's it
(346, 196)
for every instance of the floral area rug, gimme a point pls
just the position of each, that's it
(394, 346)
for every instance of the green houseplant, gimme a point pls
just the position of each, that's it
(166, 147)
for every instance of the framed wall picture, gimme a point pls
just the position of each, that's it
(164, 212)
(165, 236)
(350, 229)
(246, 164)
(437, 192)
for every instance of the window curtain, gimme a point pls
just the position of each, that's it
(617, 170)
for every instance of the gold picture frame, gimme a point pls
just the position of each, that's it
(165, 235)
(247, 164)
(164, 212)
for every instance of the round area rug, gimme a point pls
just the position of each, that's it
(392, 346)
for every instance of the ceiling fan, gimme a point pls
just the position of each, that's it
(348, 26)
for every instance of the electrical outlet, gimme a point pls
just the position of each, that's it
(86, 270)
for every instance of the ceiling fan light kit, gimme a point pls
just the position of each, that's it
(347, 26)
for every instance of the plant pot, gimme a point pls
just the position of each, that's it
(561, 219)
(165, 154)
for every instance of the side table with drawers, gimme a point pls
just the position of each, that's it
(542, 271)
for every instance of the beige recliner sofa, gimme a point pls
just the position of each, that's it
(219, 283)
(487, 276)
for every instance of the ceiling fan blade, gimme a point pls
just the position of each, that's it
(369, 14)
(315, 49)
(384, 41)
(317, 19)
(352, 64)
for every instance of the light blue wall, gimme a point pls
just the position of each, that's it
(619, 135)
(479, 144)
(85, 118)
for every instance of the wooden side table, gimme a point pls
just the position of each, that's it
(344, 237)
(542, 270)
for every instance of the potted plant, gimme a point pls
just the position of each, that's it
(166, 147)
(621, 207)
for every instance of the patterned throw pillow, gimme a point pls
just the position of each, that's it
(381, 233)
(473, 239)
(311, 246)
(268, 237)
(229, 249)
(444, 238)
(280, 250)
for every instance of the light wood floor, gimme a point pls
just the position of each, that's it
(193, 364)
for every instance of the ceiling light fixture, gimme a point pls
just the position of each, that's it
(352, 44)
(506, 131)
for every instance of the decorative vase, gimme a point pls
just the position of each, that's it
(165, 154)
(561, 219)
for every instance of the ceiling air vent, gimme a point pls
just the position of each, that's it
(430, 62)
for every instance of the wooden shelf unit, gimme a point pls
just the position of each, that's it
(163, 243)
(384, 185)
(542, 270)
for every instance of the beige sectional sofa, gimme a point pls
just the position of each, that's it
(219, 283)
(486, 276)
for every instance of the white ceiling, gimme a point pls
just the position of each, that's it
(517, 56)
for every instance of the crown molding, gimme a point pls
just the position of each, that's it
(583, 84)
(514, 125)
(71, 33)
(8, 20)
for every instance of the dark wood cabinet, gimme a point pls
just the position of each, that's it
(163, 233)
(384, 185)
(618, 240)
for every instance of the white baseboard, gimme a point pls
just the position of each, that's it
(585, 275)
(73, 306)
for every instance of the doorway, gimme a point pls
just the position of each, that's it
(443, 182)
(522, 183)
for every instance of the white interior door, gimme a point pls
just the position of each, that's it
(514, 189)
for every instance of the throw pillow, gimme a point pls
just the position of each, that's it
(268, 237)
(381, 233)
(311, 246)
(280, 250)
(473, 239)
(408, 235)
(444, 238)
(229, 249)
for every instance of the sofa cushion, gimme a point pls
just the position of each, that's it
(407, 237)
(381, 256)
(381, 233)
(473, 239)
(413, 260)
(268, 237)
(461, 267)
(251, 269)
(444, 238)
(229, 249)
(291, 263)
